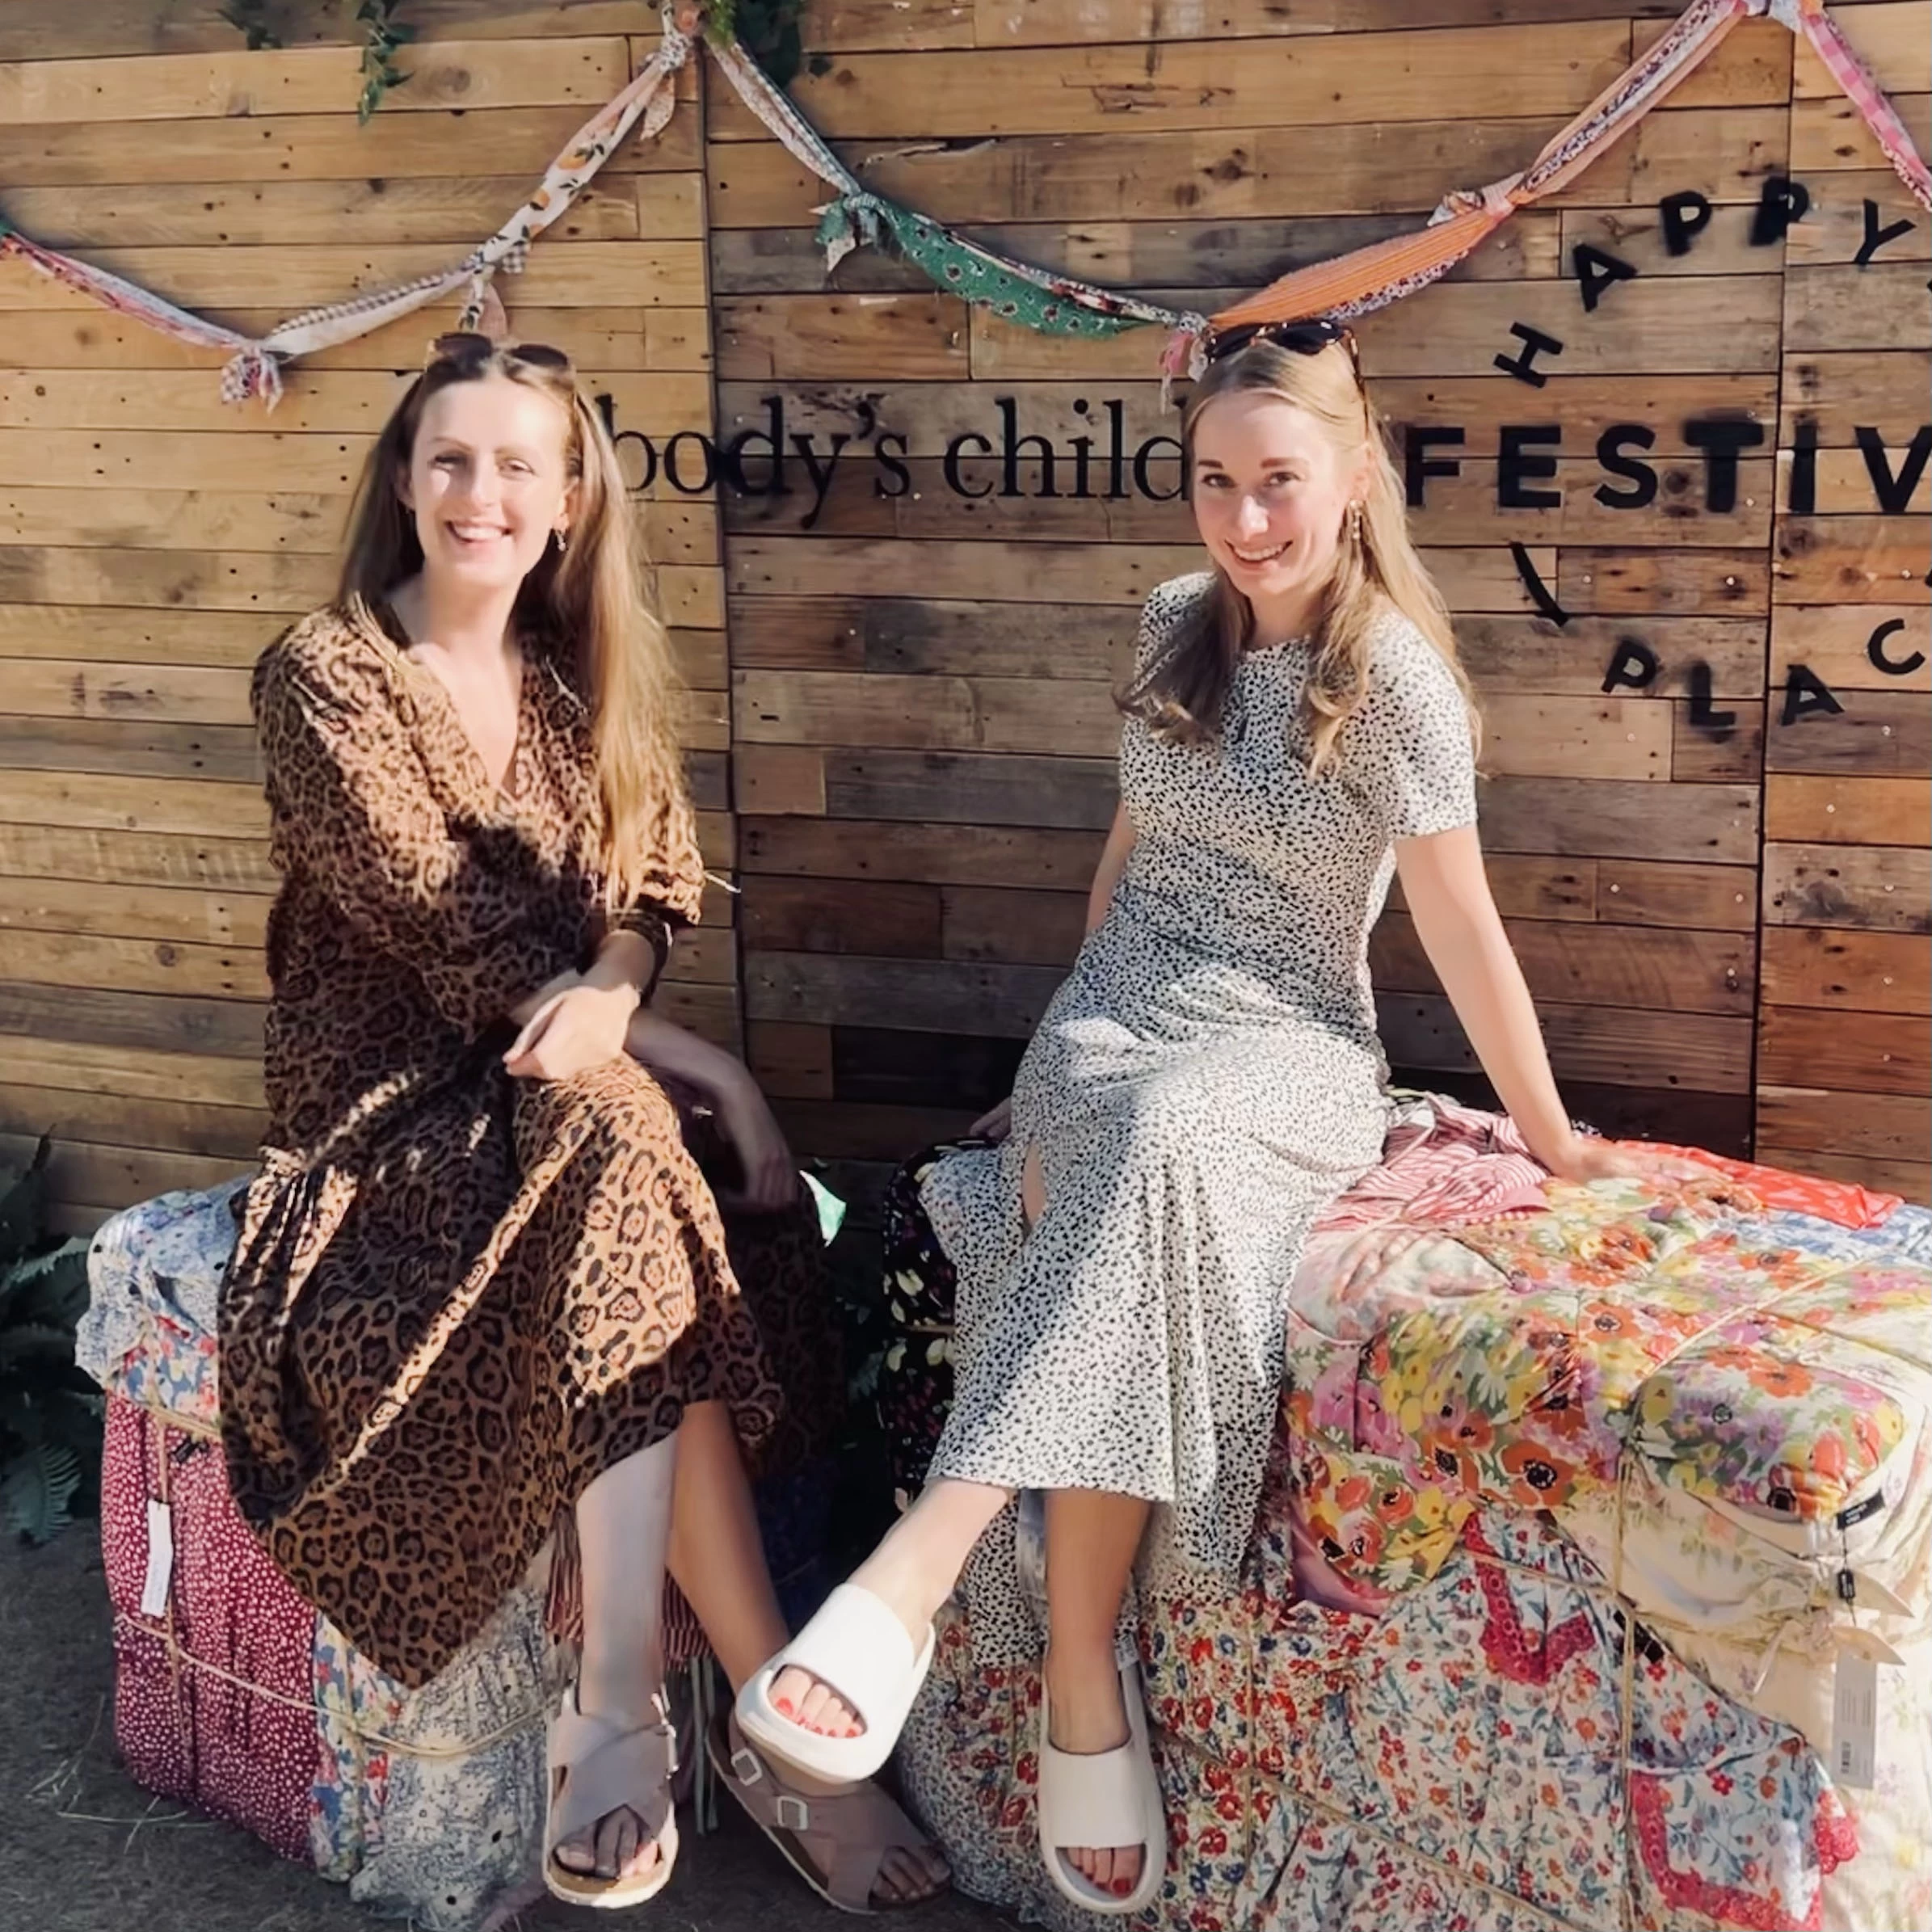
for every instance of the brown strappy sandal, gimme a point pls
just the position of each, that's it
(595, 1770)
(849, 1831)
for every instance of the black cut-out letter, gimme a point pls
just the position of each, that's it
(1803, 499)
(889, 453)
(1143, 475)
(1722, 439)
(1783, 202)
(1876, 238)
(1540, 593)
(1894, 490)
(1684, 216)
(1642, 478)
(1595, 271)
(1874, 649)
(733, 457)
(1418, 466)
(949, 466)
(1807, 695)
(1719, 724)
(1633, 668)
(607, 408)
(1522, 364)
(1517, 461)
(1016, 449)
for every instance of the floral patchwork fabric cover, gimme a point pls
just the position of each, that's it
(1456, 1763)
(445, 1828)
(1511, 1438)
(1773, 1366)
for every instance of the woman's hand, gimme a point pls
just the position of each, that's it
(572, 1031)
(771, 1176)
(1584, 1158)
(995, 1125)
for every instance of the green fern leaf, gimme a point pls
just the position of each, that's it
(35, 1488)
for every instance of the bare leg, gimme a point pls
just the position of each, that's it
(718, 1560)
(1092, 1539)
(623, 1530)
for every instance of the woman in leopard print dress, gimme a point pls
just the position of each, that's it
(481, 1291)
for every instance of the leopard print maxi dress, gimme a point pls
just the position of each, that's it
(457, 1297)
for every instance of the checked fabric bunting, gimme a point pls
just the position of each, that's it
(1035, 298)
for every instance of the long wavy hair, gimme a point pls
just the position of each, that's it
(588, 608)
(1181, 697)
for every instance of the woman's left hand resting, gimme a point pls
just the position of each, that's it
(572, 1031)
(1583, 1158)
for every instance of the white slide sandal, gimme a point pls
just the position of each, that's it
(1110, 1799)
(858, 1648)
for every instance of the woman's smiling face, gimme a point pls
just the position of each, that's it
(488, 480)
(1271, 492)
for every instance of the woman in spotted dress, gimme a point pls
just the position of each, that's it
(1207, 1080)
(481, 1292)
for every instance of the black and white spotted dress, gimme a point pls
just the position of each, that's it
(1207, 1080)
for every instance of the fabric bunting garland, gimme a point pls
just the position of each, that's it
(254, 365)
(1037, 299)
(1351, 284)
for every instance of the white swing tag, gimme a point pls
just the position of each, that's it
(1855, 1721)
(161, 1559)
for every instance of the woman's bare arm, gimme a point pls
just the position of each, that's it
(1456, 919)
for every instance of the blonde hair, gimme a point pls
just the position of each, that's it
(587, 608)
(1181, 698)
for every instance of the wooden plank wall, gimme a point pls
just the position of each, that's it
(922, 659)
(152, 540)
(1843, 1065)
(1725, 926)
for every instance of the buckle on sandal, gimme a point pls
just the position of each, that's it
(793, 1814)
(746, 1765)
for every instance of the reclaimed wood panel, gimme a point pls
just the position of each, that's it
(1541, 70)
(1846, 902)
(1848, 811)
(900, 713)
(153, 539)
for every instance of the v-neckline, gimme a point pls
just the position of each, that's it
(503, 792)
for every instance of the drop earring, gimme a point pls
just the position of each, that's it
(1355, 522)
(562, 542)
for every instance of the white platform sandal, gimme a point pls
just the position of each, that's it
(858, 1648)
(1111, 1798)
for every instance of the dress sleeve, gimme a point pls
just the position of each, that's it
(671, 888)
(1408, 747)
(1163, 618)
(352, 810)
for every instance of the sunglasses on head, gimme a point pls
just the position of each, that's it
(1308, 336)
(467, 345)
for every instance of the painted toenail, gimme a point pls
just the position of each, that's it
(1122, 1888)
(783, 1707)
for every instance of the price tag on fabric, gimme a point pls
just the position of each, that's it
(1855, 1721)
(161, 1559)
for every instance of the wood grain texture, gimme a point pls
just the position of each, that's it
(900, 711)
(152, 539)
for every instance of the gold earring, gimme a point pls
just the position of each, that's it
(1354, 522)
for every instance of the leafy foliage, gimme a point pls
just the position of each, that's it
(384, 35)
(50, 1414)
(768, 30)
(252, 19)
